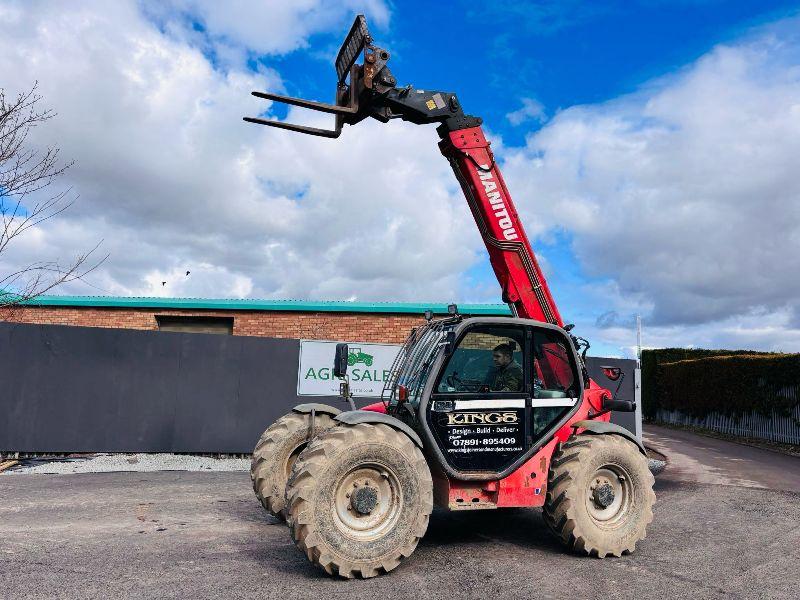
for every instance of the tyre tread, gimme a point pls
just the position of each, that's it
(265, 474)
(564, 498)
(302, 484)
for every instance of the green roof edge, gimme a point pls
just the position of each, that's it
(268, 305)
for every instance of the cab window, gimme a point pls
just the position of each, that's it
(554, 374)
(487, 359)
(555, 381)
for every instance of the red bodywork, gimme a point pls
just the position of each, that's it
(510, 252)
(371, 92)
(524, 287)
(527, 486)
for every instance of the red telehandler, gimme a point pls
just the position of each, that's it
(478, 413)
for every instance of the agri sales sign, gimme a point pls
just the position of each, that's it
(368, 367)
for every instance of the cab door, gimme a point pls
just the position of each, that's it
(479, 408)
(556, 384)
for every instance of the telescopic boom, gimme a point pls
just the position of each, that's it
(369, 90)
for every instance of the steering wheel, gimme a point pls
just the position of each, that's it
(463, 385)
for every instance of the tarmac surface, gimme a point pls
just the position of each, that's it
(701, 459)
(727, 524)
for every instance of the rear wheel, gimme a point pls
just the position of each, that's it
(359, 499)
(600, 495)
(275, 455)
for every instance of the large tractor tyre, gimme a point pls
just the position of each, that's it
(600, 495)
(275, 455)
(359, 499)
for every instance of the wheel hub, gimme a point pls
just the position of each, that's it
(367, 501)
(609, 496)
(604, 495)
(364, 500)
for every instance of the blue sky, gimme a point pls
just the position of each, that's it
(650, 148)
(558, 54)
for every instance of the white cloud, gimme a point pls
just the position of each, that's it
(531, 110)
(682, 200)
(237, 28)
(686, 193)
(172, 179)
(179, 282)
(764, 331)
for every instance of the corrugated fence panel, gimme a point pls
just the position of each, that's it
(83, 389)
(86, 389)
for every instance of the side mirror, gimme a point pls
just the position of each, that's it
(613, 403)
(450, 342)
(340, 361)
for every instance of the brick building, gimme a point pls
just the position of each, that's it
(362, 321)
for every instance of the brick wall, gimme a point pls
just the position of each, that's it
(486, 341)
(362, 327)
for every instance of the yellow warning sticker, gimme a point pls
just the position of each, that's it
(430, 104)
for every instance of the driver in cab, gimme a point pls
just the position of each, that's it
(507, 373)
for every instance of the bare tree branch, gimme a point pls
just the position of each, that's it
(26, 173)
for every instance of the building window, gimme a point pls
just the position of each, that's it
(220, 325)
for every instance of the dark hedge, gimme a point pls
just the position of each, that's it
(731, 385)
(651, 359)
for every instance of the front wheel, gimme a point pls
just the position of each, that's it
(275, 455)
(600, 495)
(359, 499)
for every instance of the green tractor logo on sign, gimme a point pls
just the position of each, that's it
(355, 355)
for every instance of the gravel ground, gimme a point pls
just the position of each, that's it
(110, 463)
(138, 463)
(113, 463)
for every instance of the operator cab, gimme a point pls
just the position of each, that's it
(487, 391)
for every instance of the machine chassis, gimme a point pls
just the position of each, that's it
(421, 422)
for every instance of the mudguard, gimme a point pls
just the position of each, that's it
(323, 409)
(602, 427)
(354, 417)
